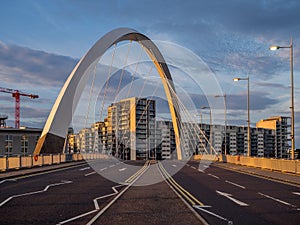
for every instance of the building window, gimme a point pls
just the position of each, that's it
(24, 144)
(8, 145)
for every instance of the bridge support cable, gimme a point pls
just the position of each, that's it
(90, 96)
(182, 107)
(135, 72)
(107, 80)
(123, 68)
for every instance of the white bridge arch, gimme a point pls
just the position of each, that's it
(54, 132)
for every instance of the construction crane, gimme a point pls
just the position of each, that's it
(16, 94)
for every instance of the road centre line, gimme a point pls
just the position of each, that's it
(122, 169)
(237, 185)
(112, 166)
(209, 174)
(34, 192)
(103, 169)
(296, 193)
(278, 200)
(193, 167)
(188, 196)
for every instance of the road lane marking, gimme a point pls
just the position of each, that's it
(229, 196)
(174, 165)
(122, 169)
(211, 213)
(213, 176)
(188, 164)
(277, 200)
(202, 171)
(103, 169)
(85, 168)
(91, 173)
(296, 193)
(237, 185)
(111, 166)
(97, 208)
(143, 169)
(193, 167)
(187, 195)
(34, 192)
(2, 181)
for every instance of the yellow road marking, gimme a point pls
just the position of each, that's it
(132, 177)
(179, 188)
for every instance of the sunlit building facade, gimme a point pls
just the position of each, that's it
(281, 126)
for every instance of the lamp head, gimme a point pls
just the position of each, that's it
(274, 48)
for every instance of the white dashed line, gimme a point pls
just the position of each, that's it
(88, 174)
(277, 200)
(213, 176)
(85, 168)
(122, 169)
(103, 169)
(193, 167)
(237, 185)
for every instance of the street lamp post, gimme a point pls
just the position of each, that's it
(248, 107)
(225, 120)
(273, 48)
(210, 133)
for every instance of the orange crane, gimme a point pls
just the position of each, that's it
(16, 94)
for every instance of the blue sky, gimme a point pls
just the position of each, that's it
(41, 41)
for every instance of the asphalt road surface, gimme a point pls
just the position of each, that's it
(229, 197)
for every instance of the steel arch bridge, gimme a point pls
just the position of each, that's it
(54, 132)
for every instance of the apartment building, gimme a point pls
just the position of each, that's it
(281, 126)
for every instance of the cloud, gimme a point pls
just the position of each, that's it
(24, 66)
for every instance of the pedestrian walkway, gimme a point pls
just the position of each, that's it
(274, 175)
(153, 204)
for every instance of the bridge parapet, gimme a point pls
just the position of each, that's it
(21, 162)
(282, 165)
